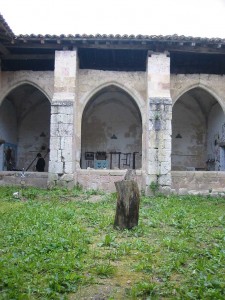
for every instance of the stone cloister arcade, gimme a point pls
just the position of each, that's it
(110, 119)
(96, 106)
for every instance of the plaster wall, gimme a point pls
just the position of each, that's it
(201, 182)
(43, 80)
(90, 82)
(24, 116)
(214, 84)
(104, 179)
(112, 113)
(8, 127)
(189, 132)
(216, 136)
(198, 117)
(30, 141)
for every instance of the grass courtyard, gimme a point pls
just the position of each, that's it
(61, 244)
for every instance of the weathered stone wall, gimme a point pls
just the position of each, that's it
(91, 81)
(103, 179)
(214, 84)
(43, 80)
(69, 90)
(62, 145)
(159, 128)
(31, 179)
(201, 182)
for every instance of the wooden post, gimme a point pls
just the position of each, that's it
(127, 209)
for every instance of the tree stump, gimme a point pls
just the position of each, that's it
(128, 200)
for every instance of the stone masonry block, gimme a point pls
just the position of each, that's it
(165, 167)
(67, 177)
(54, 109)
(60, 156)
(54, 154)
(164, 155)
(67, 154)
(165, 180)
(55, 167)
(152, 154)
(69, 167)
(62, 130)
(55, 143)
(68, 110)
(66, 143)
(152, 168)
(167, 144)
(62, 118)
(52, 177)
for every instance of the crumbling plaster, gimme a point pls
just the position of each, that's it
(90, 82)
(44, 81)
(214, 84)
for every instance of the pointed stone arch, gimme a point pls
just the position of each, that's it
(198, 126)
(8, 89)
(25, 126)
(111, 123)
(133, 93)
(204, 87)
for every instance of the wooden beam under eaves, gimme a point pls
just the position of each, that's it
(28, 57)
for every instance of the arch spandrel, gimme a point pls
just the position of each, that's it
(213, 84)
(45, 85)
(132, 93)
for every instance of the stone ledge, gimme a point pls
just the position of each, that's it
(62, 103)
(27, 174)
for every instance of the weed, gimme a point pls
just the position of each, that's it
(51, 249)
(154, 187)
(104, 270)
(108, 241)
(143, 289)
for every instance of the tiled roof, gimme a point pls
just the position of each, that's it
(125, 38)
(113, 37)
(166, 38)
(7, 30)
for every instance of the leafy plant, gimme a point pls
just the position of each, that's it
(104, 270)
(154, 187)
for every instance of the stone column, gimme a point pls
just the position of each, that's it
(62, 141)
(159, 116)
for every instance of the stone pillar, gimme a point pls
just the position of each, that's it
(159, 116)
(62, 141)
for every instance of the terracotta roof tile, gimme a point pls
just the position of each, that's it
(174, 37)
(6, 27)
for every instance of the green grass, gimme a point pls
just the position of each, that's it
(59, 244)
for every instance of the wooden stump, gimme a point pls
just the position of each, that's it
(127, 209)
